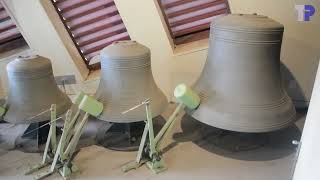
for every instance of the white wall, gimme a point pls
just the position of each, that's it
(307, 167)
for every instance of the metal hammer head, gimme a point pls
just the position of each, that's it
(89, 105)
(187, 96)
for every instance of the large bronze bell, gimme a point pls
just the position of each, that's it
(240, 86)
(126, 80)
(32, 90)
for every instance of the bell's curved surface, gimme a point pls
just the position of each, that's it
(240, 86)
(32, 90)
(126, 80)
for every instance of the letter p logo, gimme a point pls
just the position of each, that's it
(305, 12)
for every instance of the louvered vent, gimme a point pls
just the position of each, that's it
(187, 18)
(8, 30)
(92, 24)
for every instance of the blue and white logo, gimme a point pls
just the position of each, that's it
(305, 12)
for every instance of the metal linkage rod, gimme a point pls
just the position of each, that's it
(49, 123)
(135, 107)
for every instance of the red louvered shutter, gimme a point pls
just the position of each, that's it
(10, 36)
(92, 24)
(187, 18)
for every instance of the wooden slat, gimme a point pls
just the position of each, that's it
(68, 5)
(6, 25)
(87, 9)
(9, 35)
(196, 18)
(96, 46)
(185, 17)
(175, 3)
(97, 26)
(3, 15)
(93, 17)
(196, 26)
(189, 28)
(105, 33)
(192, 29)
(8, 29)
(187, 5)
(195, 8)
(92, 24)
(91, 55)
(207, 10)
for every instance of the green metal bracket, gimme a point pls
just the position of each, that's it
(64, 152)
(154, 159)
(51, 140)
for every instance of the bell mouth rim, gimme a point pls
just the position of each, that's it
(276, 115)
(234, 121)
(248, 129)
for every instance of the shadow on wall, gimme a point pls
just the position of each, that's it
(300, 63)
(293, 88)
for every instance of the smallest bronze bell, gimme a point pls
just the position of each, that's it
(32, 90)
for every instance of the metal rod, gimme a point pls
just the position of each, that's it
(150, 126)
(74, 141)
(50, 134)
(65, 132)
(135, 107)
(42, 126)
(56, 156)
(167, 126)
(142, 143)
(71, 125)
(53, 128)
(47, 110)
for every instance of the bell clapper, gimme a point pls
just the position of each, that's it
(150, 153)
(60, 155)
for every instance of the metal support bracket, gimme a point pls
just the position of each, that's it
(64, 153)
(150, 153)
